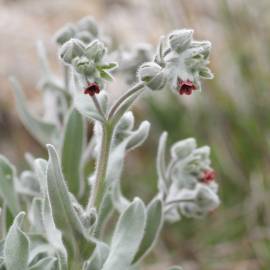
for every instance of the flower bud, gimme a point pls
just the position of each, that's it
(83, 65)
(85, 36)
(183, 148)
(95, 50)
(180, 40)
(65, 34)
(71, 49)
(88, 24)
(153, 75)
(206, 199)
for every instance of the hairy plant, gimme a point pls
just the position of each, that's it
(57, 214)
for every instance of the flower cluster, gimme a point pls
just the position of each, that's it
(85, 30)
(88, 62)
(181, 61)
(190, 188)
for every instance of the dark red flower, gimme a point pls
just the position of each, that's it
(92, 89)
(208, 176)
(186, 87)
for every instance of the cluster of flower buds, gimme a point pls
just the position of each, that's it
(85, 30)
(189, 187)
(186, 62)
(88, 62)
(180, 61)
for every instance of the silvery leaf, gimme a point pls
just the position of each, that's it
(35, 216)
(47, 263)
(72, 148)
(42, 131)
(7, 185)
(154, 222)
(63, 212)
(127, 237)
(53, 235)
(139, 136)
(161, 162)
(104, 213)
(16, 248)
(98, 257)
(40, 168)
(175, 268)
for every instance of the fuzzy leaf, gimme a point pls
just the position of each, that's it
(139, 136)
(161, 162)
(98, 257)
(42, 131)
(16, 248)
(53, 235)
(106, 75)
(104, 213)
(44, 264)
(35, 216)
(110, 66)
(64, 215)
(154, 222)
(7, 185)
(72, 151)
(127, 237)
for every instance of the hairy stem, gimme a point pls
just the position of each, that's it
(98, 188)
(122, 98)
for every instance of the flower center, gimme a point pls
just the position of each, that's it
(186, 87)
(92, 89)
(208, 176)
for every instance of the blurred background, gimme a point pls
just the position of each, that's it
(232, 114)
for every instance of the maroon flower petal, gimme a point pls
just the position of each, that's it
(92, 89)
(208, 176)
(186, 87)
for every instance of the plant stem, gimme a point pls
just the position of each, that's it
(66, 78)
(122, 98)
(99, 185)
(95, 100)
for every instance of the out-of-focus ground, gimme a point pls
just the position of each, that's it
(232, 114)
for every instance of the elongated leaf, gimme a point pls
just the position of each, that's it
(72, 151)
(53, 235)
(42, 131)
(104, 213)
(154, 222)
(98, 257)
(16, 248)
(35, 216)
(127, 237)
(44, 264)
(38, 246)
(175, 268)
(63, 213)
(7, 185)
(139, 136)
(40, 168)
(161, 162)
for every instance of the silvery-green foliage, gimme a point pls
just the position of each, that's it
(67, 205)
